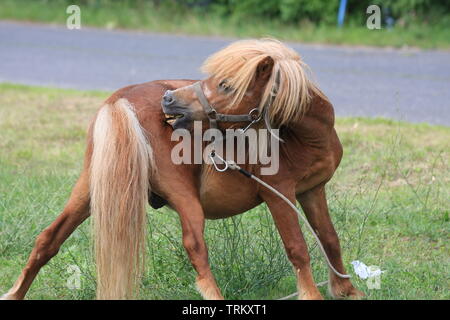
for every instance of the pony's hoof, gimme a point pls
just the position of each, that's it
(310, 296)
(345, 291)
(356, 294)
(208, 289)
(7, 296)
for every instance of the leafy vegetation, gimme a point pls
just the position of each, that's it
(421, 23)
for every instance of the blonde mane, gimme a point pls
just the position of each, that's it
(289, 90)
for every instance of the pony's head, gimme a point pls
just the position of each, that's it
(248, 74)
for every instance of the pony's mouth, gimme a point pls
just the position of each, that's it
(171, 118)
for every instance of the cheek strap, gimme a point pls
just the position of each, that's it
(214, 117)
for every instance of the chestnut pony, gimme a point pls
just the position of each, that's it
(128, 164)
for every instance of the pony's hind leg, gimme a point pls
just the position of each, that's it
(314, 205)
(193, 223)
(49, 241)
(286, 221)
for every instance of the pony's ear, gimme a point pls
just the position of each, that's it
(264, 69)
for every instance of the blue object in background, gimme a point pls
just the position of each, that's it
(341, 13)
(389, 21)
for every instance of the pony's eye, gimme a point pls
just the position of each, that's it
(224, 86)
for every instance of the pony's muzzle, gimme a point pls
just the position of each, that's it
(168, 99)
(173, 112)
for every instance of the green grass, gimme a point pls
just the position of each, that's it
(389, 201)
(145, 16)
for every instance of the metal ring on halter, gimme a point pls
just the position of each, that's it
(212, 155)
(212, 114)
(255, 118)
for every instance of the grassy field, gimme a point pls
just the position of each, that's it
(145, 16)
(389, 201)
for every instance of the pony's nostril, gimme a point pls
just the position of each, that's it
(168, 98)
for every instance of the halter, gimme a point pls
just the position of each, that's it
(253, 116)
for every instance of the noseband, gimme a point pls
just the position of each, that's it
(253, 116)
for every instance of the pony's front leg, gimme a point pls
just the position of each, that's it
(287, 223)
(48, 242)
(193, 223)
(314, 204)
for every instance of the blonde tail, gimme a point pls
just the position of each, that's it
(121, 165)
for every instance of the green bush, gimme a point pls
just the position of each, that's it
(317, 12)
(322, 12)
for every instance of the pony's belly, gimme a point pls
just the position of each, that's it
(226, 195)
(218, 207)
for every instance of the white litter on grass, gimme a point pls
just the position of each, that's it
(365, 272)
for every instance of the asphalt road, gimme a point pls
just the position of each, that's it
(410, 85)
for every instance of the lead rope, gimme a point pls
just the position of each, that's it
(230, 164)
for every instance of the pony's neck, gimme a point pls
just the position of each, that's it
(314, 127)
